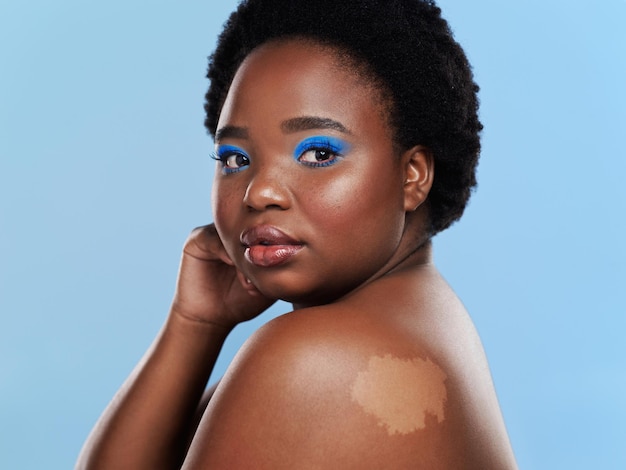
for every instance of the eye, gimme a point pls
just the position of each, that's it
(233, 158)
(320, 151)
(316, 156)
(235, 161)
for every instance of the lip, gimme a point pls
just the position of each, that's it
(266, 235)
(267, 246)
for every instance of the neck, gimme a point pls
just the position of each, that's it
(421, 255)
(414, 251)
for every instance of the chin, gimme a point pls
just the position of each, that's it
(300, 296)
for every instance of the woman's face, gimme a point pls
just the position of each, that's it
(308, 196)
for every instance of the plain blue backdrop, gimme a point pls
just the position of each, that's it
(104, 169)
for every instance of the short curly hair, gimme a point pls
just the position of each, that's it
(407, 48)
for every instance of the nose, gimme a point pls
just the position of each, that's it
(266, 190)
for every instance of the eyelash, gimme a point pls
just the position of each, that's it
(331, 145)
(225, 152)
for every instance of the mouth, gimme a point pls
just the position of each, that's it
(267, 246)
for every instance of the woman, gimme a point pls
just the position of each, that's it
(346, 136)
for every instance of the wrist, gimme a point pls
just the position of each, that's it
(181, 319)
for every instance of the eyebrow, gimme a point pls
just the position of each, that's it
(290, 126)
(306, 123)
(231, 132)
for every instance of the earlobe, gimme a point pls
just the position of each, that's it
(419, 169)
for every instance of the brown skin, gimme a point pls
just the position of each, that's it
(363, 286)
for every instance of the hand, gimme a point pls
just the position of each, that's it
(210, 288)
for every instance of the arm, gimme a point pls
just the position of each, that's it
(149, 421)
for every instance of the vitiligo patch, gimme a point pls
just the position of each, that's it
(400, 392)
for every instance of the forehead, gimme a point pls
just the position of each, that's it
(299, 78)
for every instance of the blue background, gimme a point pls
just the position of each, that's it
(104, 169)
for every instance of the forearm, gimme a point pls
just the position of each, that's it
(148, 421)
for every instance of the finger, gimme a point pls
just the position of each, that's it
(225, 258)
(247, 284)
(204, 243)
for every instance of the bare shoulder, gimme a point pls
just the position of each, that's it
(339, 386)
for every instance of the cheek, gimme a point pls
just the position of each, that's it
(217, 206)
(355, 200)
(331, 203)
(224, 208)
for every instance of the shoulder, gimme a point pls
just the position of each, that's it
(330, 387)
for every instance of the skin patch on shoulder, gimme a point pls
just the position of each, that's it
(400, 392)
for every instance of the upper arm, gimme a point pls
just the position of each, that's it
(301, 395)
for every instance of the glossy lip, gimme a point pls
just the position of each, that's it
(267, 246)
(266, 235)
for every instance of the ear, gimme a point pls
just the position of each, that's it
(419, 170)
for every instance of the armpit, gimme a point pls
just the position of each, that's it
(399, 393)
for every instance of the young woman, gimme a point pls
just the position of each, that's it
(346, 135)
